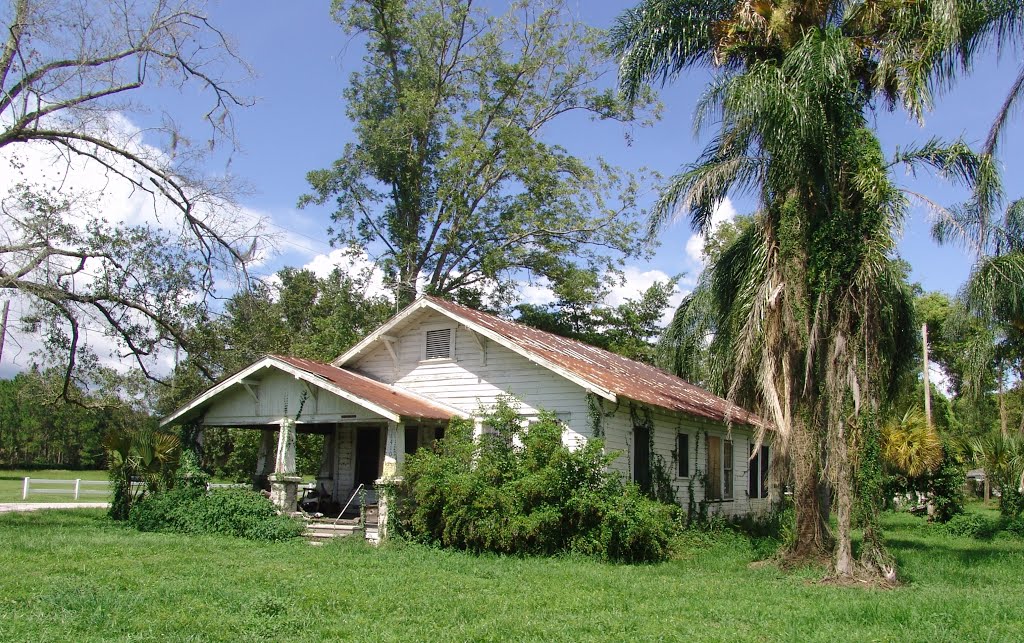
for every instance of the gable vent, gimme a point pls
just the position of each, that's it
(439, 344)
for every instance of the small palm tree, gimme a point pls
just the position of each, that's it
(1002, 457)
(910, 445)
(138, 454)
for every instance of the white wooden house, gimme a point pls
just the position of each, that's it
(396, 390)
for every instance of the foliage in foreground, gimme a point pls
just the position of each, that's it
(231, 512)
(76, 576)
(139, 455)
(537, 498)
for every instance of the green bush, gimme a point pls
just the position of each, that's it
(1015, 526)
(972, 525)
(521, 491)
(232, 512)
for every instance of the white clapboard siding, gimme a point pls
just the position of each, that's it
(618, 429)
(475, 378)
(281, 394)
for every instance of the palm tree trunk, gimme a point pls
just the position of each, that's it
(813, 539)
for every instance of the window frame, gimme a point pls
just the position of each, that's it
(728, 469)
(757, 472)
(451, 328)
(682, 455)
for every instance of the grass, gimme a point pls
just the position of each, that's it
(73, 575)
(11, 481)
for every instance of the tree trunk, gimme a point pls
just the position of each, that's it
(844, 565)
(813, 539)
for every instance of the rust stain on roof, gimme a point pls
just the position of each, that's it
(391, 398)
(615, 373)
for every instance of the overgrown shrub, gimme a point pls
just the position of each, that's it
(232, 512)
(521, 491)
(972, 525)
(1015, 526)
(946, 487)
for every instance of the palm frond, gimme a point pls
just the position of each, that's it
(659, 38)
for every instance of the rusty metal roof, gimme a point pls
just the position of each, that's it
(615, 373)
(398, 401)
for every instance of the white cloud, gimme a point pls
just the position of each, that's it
(537, 292)
(100, 190)
(725, 211)
(353, 264)
(635, 282)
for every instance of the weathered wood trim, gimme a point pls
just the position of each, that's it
(270, 362)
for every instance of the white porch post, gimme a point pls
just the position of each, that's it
(394, 456)
(264, 458)
(284, 483)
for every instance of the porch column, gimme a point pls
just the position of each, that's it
(264, 459)
(284, 483)
(394, 450)
(394, 456)
(325, 478)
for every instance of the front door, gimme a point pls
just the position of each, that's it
(368, 467)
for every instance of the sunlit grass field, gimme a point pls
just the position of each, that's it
(75, 576)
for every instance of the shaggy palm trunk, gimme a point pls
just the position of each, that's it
(844, 510)
(813, 540)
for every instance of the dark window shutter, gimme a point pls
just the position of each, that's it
(764, 471)
(754, 474)
(683, 454)
(642, 457)
(412, 440)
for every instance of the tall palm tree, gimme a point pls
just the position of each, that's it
(811, 307)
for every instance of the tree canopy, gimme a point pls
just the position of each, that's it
(450, 181)
(69, 74)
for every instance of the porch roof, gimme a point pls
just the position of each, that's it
(387, 401)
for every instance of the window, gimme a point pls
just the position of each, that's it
(719, 469)
(642, 457)
(713, 490)
(438, 344)
(757, 483)
(683, 455)
(412, 440)
(727, 469)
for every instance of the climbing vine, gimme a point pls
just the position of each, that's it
(596, 414)
(661, 480)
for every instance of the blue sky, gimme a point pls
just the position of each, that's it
(302, 60)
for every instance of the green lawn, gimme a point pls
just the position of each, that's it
(11, 481)
(73, 575)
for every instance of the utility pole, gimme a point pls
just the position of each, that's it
(3, 327)
(927, 386)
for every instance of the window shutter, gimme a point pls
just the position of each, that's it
(439, 344)
(754, 475)
(764, 471)
(714, 466)
(727, 461)
(683, 454)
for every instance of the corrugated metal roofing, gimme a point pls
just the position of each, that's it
(607, 370)
(393, 399)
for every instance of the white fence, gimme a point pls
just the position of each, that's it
(76, 488)
(79, 487)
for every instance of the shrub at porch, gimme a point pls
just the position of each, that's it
(521, 491)
(232, 512)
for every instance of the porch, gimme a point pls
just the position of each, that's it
(368, 426)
